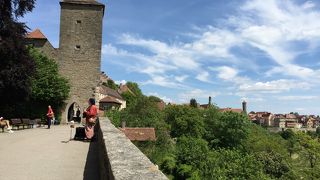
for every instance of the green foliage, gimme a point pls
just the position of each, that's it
(229, 130)
(154, 99)
(111, 84)
(130, 98)
(169, 164)
(47, 88)
(16, 64)
(274, 164)
(232, 164)
(287, 134)
(134, 87)
(144, 113)
(311, 149)
(114, 116)
(47, 85)
(201, 144)
(318, 131)
(185, 121)
(192, 151)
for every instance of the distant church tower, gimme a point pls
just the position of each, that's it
(244, 107)
(79, 56)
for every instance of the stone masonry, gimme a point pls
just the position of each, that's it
(79, 52)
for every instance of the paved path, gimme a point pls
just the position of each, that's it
(46, 154)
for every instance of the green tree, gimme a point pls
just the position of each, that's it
(47, 85)
(232, 164)
(311, 148)
(318, 131)
(154, 99)
(114, 116)
(185, 121)
(111, 84)
(228, 131)
(130, 98)
(193, 103)
(274, 164)
(134, 87)
(191, 155)
(16, 64)
(144, 113)
(261, 140)
(287, 134)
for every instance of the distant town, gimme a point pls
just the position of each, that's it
(276, 122)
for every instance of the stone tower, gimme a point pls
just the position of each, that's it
(244, 107)
(79, 54)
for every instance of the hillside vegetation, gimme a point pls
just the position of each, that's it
(199, 144)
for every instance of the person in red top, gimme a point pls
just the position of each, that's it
(91, 116)
(50, 115)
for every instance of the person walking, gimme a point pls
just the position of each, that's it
(50, 115)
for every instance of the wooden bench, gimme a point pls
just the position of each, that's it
(33, 122)
(26, 122)
(41, 122)
(16, 122)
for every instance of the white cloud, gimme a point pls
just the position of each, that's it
(164, 81)
(181, 78)
(308, 5)
(230, 74)
(275, 86)
(197, 94)
(300, 109)
(214, 42)
(109, 49)
(164, 98)
(297, 98)
(226, 73)
(252, 99)
(203, 76)
(272, 27)
(162, 53)
(275, 26)
(121, 82)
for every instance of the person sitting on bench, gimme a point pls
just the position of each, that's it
(6, 123)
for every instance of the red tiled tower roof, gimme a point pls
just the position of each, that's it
(230, 110)
(36, 34)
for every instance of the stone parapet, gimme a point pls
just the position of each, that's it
(120, 159)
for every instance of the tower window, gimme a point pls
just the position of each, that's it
(78, 21)
(77, 47)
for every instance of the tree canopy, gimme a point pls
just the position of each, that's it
(16, 64)
(194, 143)
(47, 85)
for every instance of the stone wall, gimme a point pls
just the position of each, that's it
(44, 46)
(120, 159)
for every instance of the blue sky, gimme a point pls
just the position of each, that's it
(263, 51)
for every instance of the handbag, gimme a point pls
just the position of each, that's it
(92, 120)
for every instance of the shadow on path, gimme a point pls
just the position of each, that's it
(91, 169)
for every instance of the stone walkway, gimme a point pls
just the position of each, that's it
(46, 154)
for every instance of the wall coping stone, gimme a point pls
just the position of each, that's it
(125, 159)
